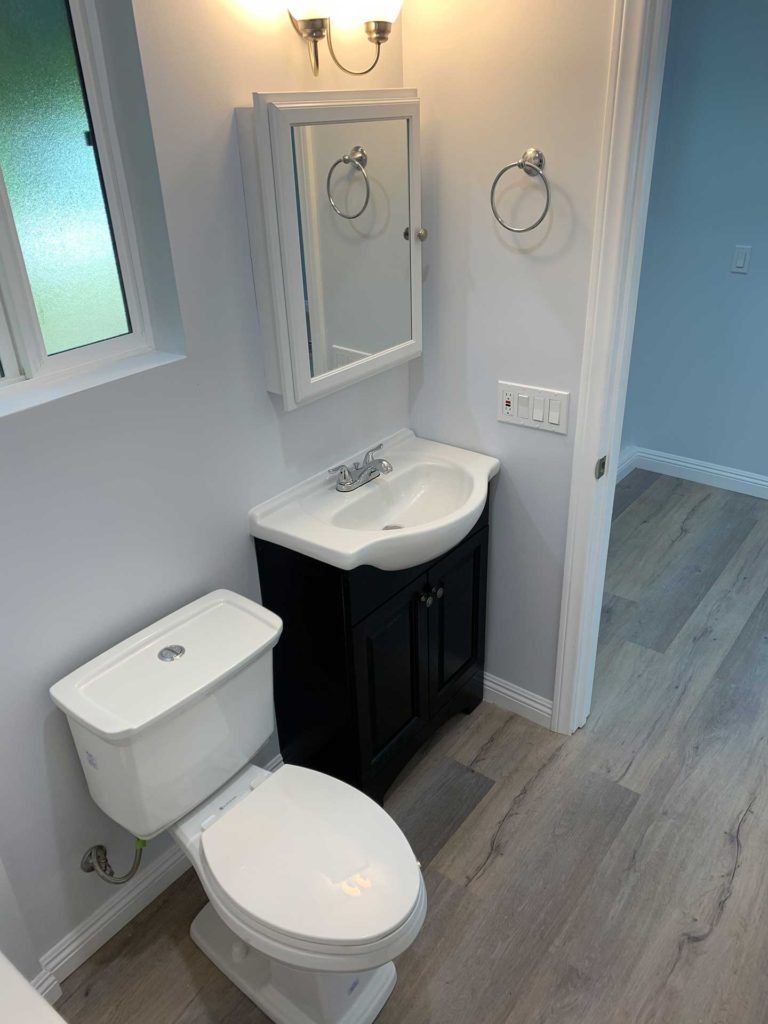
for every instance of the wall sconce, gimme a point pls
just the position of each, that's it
(312, 21)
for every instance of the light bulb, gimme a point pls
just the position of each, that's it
(307, 10)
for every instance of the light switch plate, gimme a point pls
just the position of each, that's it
(741, 259)
(539, 408)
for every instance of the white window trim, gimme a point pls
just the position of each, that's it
(8, 358)
(22, 351)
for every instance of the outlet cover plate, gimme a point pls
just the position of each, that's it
(538, 408)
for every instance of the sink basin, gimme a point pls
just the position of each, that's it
(431, 499)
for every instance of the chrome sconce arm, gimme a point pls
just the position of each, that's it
(376, 35)
(312, 30)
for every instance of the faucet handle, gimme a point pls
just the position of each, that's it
(344, 475)
(368, 459)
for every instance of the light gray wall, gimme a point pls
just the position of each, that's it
(121, 503)
(15, 942)
(697, 383)
(498, 306)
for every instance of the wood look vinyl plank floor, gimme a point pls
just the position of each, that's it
(617, 876)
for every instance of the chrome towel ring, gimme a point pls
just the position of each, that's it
(532, 162)
(359, 158)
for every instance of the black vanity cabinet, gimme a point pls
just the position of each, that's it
(372, 662)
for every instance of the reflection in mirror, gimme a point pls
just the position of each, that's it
(352, 191)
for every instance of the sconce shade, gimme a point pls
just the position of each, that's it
(308, 10)
(381, 10)
(357, 12)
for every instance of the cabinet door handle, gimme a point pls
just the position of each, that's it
(427, 599)
(438, 592)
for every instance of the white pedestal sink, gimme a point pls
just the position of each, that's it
(426, 505)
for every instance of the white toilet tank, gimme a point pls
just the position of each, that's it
(168, 716)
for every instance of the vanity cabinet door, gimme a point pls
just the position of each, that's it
(390, 653)
(457, 619)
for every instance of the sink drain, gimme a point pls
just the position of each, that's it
(392, 526)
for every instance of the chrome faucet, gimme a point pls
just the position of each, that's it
(349, 478)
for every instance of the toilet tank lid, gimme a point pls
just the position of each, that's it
(172, 663)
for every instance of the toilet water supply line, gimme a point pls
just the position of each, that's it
(96, 860)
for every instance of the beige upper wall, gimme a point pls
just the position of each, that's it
(494, 81)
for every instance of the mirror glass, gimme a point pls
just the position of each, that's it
(352, 192)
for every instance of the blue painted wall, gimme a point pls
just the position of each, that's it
(699, 373)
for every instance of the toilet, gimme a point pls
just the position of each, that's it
(313, 888)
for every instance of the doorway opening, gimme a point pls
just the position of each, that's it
(686, 221)
(690, 517)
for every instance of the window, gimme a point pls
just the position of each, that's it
(69, 280)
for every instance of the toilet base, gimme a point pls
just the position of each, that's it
(292, 995)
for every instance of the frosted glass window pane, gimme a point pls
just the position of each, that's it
(53, 179)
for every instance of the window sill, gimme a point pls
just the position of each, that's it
(26, 394)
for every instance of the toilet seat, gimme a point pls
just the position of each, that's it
(306, 866)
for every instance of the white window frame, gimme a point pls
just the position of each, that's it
(22, 351)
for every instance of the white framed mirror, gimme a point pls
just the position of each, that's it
(333, 194)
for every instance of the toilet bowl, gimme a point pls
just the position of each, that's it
(302, 917)
(313, 888)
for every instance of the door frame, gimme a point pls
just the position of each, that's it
(636, 74)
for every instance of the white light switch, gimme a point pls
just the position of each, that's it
(540, 408)
(741, 259)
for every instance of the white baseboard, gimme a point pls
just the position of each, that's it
(725, 477)
(82, 942)
(627, 462)
(47, 986)
(514, 698)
